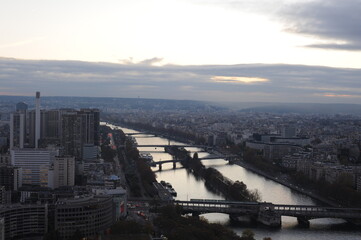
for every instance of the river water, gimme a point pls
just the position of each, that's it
(188, 187)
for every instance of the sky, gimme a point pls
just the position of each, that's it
(214, 50)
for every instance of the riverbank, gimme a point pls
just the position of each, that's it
(286, 182)
(155, 132)
(283, 180)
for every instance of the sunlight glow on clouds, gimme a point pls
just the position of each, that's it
(341, 95)
(241, 82)
(246, 80)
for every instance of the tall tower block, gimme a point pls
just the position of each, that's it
(37, 119)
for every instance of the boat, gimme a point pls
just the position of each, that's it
(172, 192)
(146, 156)
(169, 188)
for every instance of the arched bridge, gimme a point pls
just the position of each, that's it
(268, 213)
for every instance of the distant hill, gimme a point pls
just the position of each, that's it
(301, 108)
(104, 103)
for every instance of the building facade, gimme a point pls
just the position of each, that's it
(24, 221)
(64, 171)
(35, 164)
(90, 215)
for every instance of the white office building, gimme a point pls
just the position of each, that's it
(35, 164)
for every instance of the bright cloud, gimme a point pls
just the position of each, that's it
(246, 80)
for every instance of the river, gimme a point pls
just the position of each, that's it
(188, 187)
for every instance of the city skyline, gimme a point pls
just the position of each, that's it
(274, 51)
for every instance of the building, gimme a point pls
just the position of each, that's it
(290, 161)
(90, 151)
(91, 215)
(24, 221)
(67, 127)
(79, 129)
(17, 130)
(119, 196)
(35, 164)
(5, 159)
(10, 177)
(90, 125)
(273, 151)
(288, 131)
(71, 139)
(2, 229)
(31, 194)
(5, 196)
(3, 141)
(63, 171)
(358, 183)
(21, 107)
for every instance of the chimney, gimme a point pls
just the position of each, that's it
(37, 119)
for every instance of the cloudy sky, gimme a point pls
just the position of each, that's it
(220, 50)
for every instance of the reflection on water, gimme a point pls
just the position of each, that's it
(188, 187)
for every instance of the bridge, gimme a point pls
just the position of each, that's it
(155, 146)
(268, 213)
(174, 161)
(146, 135)
(137, 133)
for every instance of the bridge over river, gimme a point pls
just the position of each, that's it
(173, 145)
(268, 213)
(174, 161)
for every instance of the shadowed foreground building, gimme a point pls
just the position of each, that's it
(24, 221)
(89, 215)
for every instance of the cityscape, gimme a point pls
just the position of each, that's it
(180, 120)
(77, 172)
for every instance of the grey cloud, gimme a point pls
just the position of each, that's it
(333, 20)
(287, 83)
(347, 47)
(151, 61)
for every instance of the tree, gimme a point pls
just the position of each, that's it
(247, 235)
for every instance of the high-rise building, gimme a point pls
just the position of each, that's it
(69, 128)
(10, 177)
(64, 171)
(17, 130)
(91, 119)
(35, 164)
(2, 229)
(37, 119)
(21, 107)
(5, 196)
(71, 139)
(90, 151)
(79, 128)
